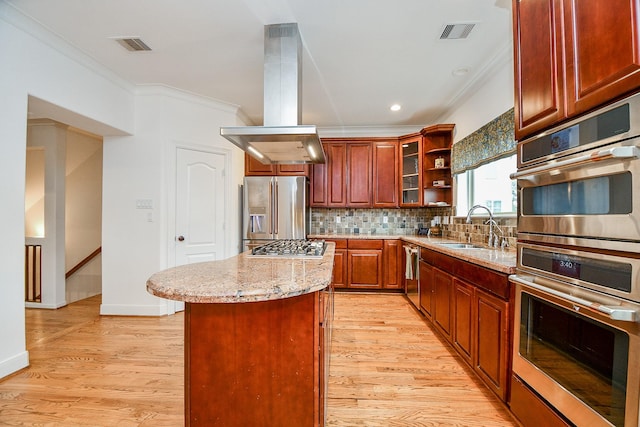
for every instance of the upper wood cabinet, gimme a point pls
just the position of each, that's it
(571, 57)
(336, 154)
(359, 173)
(253, 167)
(385, 174)
(436, 178)
(539, 76)
(410, 170)
(318, 190)
(359, 162)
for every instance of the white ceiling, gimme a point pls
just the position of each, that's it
(360, 56)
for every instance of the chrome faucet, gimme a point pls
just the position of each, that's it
(493, 239)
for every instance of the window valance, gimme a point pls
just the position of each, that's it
(492, 141)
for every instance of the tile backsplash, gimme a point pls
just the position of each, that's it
(405, 222)
(373, 221)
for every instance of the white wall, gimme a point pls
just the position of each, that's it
(31, 67)
(41, 70)
(142, 167)
(492, 96)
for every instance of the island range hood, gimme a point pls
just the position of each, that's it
(282, 140)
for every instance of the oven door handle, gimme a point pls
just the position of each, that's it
(614, 153)
(614, 313)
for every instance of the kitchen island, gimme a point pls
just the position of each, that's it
(257, 332)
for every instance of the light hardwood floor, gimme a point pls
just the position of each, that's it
(388, 368)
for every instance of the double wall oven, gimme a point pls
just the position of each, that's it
(577, 285)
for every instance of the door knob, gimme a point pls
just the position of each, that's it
(180, 238)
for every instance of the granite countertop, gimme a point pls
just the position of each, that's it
(244, 278)
(500, 260)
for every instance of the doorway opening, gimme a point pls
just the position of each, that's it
(63, 214)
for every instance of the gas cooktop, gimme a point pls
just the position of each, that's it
(293, 248)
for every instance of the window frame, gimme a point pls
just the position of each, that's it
(469, 174)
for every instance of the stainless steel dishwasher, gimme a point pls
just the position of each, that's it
(411, 279)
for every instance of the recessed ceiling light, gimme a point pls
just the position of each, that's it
(460, 71)
(395, 107)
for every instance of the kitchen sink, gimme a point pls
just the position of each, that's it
(461, 245)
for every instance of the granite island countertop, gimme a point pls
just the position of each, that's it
(244, 278)
(502, 260)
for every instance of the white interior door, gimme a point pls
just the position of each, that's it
(200, 206)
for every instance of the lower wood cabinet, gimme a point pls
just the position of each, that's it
(491, 355)
(364, 263)
(339, 278)
(464, 302)
(249, 364)
(464, 322)
(392, 264)
(425, 272)
(367, 264)
(443, 302)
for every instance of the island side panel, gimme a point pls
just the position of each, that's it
(250, 364)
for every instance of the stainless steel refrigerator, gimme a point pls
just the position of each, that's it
(274, 208)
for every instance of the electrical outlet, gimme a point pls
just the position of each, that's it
(385, 219)
(338, 219)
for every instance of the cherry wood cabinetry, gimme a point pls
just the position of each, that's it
(339, 278)
(571, 57)
(437, 179)
(253, 167)
(359, 173)
(539, 75)
(410, 170)
(491, 341)
(443, 308)
(233, 376)
(469, 305)
(359, 165)
(318, 194)
(336, 154)
(465, 313)
(385, 174)
(425, 272)
(391, 264)
(364, 263)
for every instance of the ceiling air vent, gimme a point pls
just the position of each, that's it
(456, 31)
(133, 44)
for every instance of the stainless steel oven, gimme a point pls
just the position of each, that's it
(578, 349)
(580, 179)
(577, 285)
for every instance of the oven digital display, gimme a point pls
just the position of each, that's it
(565, 266)
(565, 139)
(614, 274)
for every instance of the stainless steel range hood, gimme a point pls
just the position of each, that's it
(282, 139)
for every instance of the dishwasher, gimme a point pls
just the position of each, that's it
(411, 279)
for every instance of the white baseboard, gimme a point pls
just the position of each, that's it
(133, 310)
(14, 364)
(44, 306)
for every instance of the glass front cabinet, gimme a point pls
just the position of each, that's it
(411, 170)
